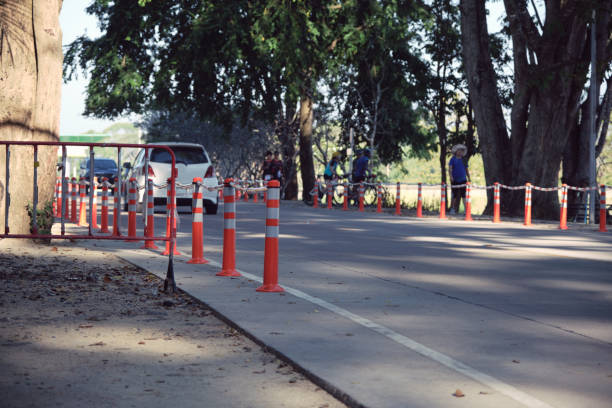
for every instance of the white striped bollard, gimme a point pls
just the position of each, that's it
(170, 208)
(379, 198)
(270, 278)
(443, 201)
(132, 198)
(104, 212)
(419, 213)
(361, 197)
(197, 225)
(116, 210)
(563, 212)
(496, 202)
(602, 209)
(229, 230)
(398, 199)
(527, 221)
(468, 201)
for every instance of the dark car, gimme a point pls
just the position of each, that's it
(102, 168)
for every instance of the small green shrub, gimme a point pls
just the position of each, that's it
(44, 218)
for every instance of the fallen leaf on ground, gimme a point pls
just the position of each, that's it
(100, 343)
(458, 393)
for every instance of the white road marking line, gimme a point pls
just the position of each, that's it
(415, 346)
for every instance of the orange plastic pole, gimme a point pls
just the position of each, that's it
(468, 201)
(82, 206)
(94, 208)
(398, 202)
(116, 211)
(345, 197)
(379, 198)
(361, 193)
(496, 203)
(132, 197)
(443, 201)
(74, 214)
(602, 209)
(197, 226)
(255, 194)
(104, 214)
(229, 230)
(150, 227)
(170, 207)
(270, 278)
(419, 213)
(563, 216)
(527, 204)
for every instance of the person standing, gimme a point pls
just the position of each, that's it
(277, 167)
(459, 174)
(266, 168)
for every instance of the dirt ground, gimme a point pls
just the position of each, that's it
(84, 328)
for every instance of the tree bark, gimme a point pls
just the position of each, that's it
(31, 75)
(482, 83)
(306, 161)
(287, 133)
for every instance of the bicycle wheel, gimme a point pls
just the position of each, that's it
(370, 197)
(339, 195)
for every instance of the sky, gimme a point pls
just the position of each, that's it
(76, 22)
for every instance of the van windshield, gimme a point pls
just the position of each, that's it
(183, 154)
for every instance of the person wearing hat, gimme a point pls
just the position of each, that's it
(459, 174)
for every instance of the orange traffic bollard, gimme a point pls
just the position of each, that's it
(132, 198)
(379, 198)
(496, 202)
(443, 201)
(116, 210)
(468, 201)
(104, 212)
(170, 208)
(150, 226)
(229, 230)
(527, 204)
(419, 213)
(361, 194)
(345, 197)
(94, 207)
(197, 226)
(563, 213)
(270, 278)
(398, 199)
(602, 209)
(74, 217)
(82, 207)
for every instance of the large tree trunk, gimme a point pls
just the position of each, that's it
(482, 83)
(287, 133)
(306, 161)
(30, 74)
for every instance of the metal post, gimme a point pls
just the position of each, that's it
(118, 187)
(7, 200)
(35, 192)
(65, 197)
(91, 188)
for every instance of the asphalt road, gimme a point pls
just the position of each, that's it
(401, 312)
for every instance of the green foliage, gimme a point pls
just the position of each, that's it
(44, 217)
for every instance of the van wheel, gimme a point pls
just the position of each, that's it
(211, 208)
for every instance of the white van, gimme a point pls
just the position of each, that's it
(192, 161)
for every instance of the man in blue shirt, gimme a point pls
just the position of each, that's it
(361, 167)
(459, 174)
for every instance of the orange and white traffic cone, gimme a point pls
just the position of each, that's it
(527, 204)
(74, 216)
(132, 198)
(602, 209)
(94, 208)
(468, 201)
(398, 199)
(270, 278)
(229, 230)
(419, 213)
(563, 215)
(170, 207)
(197, 226)
(329, 195)
(345, 197)
(379, 198)
(150, 227)
(246, 195)
(443, 201)
(361, 194)
(82, 206)
(496, 203)
(104, 212)
(116, 210)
